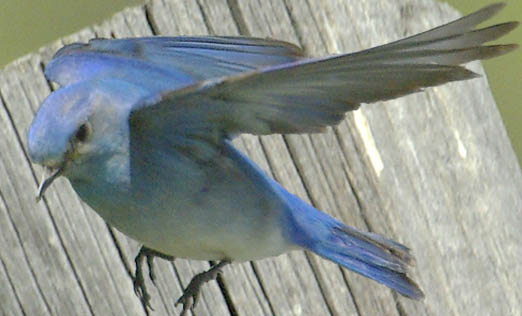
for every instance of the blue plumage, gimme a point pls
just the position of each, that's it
(142, 129)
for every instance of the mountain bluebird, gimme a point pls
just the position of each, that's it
(142, 128)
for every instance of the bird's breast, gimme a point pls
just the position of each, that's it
(210, 213)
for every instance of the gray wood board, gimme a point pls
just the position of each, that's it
(434, 170)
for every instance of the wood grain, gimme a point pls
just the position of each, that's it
(434, 170)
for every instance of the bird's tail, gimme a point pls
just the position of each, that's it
(371, 255)
(366, 253)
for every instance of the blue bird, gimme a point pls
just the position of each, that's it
(142, 128)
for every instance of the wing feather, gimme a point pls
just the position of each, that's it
(171, 61)
(307, 95)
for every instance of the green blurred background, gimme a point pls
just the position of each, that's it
(27, 25)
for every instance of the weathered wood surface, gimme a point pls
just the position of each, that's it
(433, 170)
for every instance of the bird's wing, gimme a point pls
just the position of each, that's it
(180, 60)
(307, 95)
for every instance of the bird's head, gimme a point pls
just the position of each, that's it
(80, 126)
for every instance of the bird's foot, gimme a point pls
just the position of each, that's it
(190, 297)
(139, 281)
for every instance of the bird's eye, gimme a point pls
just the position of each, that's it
(82, 133)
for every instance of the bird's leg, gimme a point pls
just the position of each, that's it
(139, 281)
(190, 296)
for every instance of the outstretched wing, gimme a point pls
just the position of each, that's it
(171, 62)
(307, 95)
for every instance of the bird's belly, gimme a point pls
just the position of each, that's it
(234, 222)
(210, 232)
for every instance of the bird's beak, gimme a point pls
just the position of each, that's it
(48, 180)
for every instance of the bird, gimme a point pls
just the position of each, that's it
(143, 127)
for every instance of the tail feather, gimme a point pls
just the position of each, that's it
(366, 253)
(371, 255)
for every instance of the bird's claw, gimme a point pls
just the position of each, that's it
(141, 292)
(190, 298)
(139, 281)
(191, 294)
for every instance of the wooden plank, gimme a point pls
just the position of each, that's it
(434, 178)
(407, 114)
(271, 272)
(39, 264)
(332, 281)
(434, 170)
(248, 296)
(97, 268)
